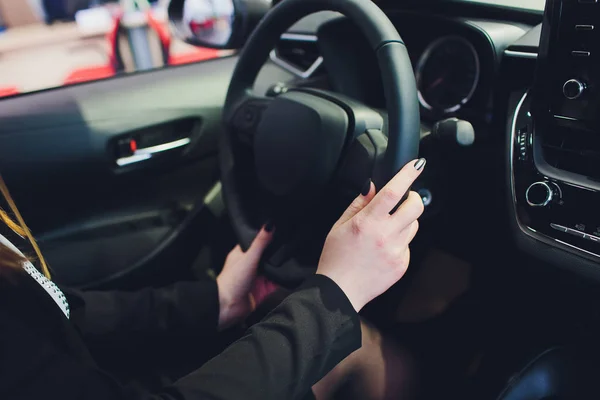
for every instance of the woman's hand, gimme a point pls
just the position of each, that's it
(237, 279)
(367, 251)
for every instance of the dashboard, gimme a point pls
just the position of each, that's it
(456, 60)
(529, 86)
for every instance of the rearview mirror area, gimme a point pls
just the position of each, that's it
(219, 24)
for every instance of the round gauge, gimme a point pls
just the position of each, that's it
(447, 74)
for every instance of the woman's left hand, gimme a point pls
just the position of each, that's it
(238, 279)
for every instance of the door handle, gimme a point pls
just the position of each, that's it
(147, 153)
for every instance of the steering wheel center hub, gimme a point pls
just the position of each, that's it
(299, 142)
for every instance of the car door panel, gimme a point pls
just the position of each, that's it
(95, 219)
(99, 223)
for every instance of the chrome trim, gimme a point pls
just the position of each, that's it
(580, 53)
(532, 233)
(147, 152)
(559, 228)
(425, 57)
(121, 162)
(513, 129)
(580, 87)
(164, 147)
(291, 68)
(565, 117)
(520, 54)
(300, 37)
(545, 202)
(584, 27)
(577, 248)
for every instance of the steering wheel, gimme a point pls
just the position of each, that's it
(299, 158)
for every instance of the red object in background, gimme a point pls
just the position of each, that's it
(9, 91)
(88, 74)
(204, 26)
(114, 65)
(195, 55)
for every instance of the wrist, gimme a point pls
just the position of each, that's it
(347, 288)
(232, 308)
(225, 305)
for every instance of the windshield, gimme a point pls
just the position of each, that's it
(528, 4)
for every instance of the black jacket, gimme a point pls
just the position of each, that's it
(43, 355)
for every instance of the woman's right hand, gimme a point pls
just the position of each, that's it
(366, 251)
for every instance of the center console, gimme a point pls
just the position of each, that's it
(555, 148)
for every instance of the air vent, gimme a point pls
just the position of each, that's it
(299, 54)
(572, 151)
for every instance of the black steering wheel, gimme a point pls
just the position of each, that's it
(300, 157)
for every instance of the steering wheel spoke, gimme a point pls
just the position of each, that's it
(247, 116)
(294, 254)
(363, 160)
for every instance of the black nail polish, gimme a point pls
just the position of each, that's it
(366, 187)
(420, 164)
(269, 226)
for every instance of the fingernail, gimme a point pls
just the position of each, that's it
(366, 187)
(420, 164)
(269, 226)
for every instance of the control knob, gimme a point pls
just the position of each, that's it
(542, 193)
(573, 89)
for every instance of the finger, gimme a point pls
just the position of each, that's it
(237, 249)
(405, 262)
(404, 238)
(391, 194)
(260, 242)
(408, 212)
(234, 253)
(359, 203)
(408, 234)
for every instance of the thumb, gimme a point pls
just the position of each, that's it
(367, 194)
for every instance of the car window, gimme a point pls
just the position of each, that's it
(52, 43)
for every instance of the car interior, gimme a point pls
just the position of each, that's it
(148, 178)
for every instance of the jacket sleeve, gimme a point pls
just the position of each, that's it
(288, 352)
(279, 358)
(185, 309)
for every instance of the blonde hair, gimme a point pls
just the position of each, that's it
(21, 229)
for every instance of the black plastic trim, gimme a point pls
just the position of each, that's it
(543, 247)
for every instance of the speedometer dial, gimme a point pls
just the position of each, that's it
(447, 74)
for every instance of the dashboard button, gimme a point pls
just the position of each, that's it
(558, 227)
(580, 53)
(577, 233)
(593, 238)
(523, 143)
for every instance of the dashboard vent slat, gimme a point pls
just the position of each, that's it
(298, 54)
(575, 152)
